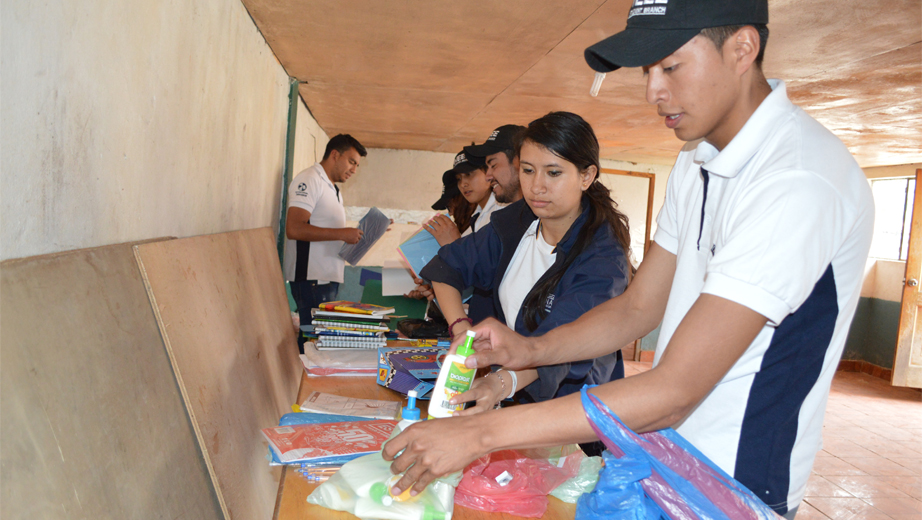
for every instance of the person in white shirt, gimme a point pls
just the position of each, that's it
(474, 185)
(548, 258)
(315, 227)
(755, 272)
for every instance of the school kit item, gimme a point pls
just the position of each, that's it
(349, 362)
(518, 481)
(454, 379)
(660, 475)
(356, 325)
(320, 402)
(373, 226)
(418, 250)
(364, 487)
(291, 419)
(410, 368)
(318, 442)
(353, 308)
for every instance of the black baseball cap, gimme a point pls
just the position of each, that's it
(450, 180)
(657, 28)
(449, 190)
(502, 139)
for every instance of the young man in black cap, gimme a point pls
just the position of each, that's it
(755, 271)
(497, 153)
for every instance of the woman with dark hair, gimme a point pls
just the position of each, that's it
(549, 258)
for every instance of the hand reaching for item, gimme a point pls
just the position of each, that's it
(443, 229)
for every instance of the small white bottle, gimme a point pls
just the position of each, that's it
(454, 379)
(409, 414)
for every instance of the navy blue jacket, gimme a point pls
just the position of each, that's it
(598, 274)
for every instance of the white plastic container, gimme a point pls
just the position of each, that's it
(454, 379)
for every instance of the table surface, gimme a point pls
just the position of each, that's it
(293, 489)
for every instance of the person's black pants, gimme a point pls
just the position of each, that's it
(308, 295)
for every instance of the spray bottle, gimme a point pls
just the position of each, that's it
(454, 379)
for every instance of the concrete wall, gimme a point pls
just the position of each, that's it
(129, 120)
(398, 179)
(875, 328)
(412, 180)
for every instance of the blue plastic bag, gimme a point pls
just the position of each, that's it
(660, 475)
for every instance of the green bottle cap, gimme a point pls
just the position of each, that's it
(378, 493)
(467, 348)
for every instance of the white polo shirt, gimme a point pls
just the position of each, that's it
(481, 217)
(313, 191)
(787, 227)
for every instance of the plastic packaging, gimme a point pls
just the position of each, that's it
(583, 482)
(454, 379)
(660, 475)
(361, 488)
(517, 482)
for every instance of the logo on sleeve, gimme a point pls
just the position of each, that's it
(549, 303)
(302, 187)
(648, 7)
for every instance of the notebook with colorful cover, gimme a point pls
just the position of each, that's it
(418, 250)
(355, 308)
(319, 442)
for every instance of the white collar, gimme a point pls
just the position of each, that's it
(729, 161)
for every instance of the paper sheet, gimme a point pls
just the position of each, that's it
(370, 408)
(396, 279)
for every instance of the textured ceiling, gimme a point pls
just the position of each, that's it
(438, 75)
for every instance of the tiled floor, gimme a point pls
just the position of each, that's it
(871, 463)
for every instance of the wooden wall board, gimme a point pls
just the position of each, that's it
(92, 423)
(222, 309)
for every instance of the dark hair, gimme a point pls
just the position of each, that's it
(719, 35)
(342, 143)
(571, 138)
(461, 211)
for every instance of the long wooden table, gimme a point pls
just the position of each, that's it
(293, 489)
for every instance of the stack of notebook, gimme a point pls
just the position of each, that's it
(343, 324)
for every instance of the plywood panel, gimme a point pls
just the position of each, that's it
(222, 309)
(91, 418)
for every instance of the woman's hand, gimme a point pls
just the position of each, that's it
(486, 392)
(443, 229)
(422, 291)
(433, 449)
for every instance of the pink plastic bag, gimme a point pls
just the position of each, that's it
(533, 476)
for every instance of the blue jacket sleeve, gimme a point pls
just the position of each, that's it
(595, 277)
(470, 261)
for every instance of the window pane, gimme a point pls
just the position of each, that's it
(889, 201)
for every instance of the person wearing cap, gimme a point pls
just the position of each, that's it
(755, 272)
(472, 183)
(315, 227)
(497, 154)
(548, 259)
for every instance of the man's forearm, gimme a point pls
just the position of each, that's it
(311, 233)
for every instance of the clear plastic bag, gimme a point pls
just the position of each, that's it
(361, 487)
(584, 481)
(517, 482)
(660, 475)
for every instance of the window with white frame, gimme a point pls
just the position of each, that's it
(893, 200)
